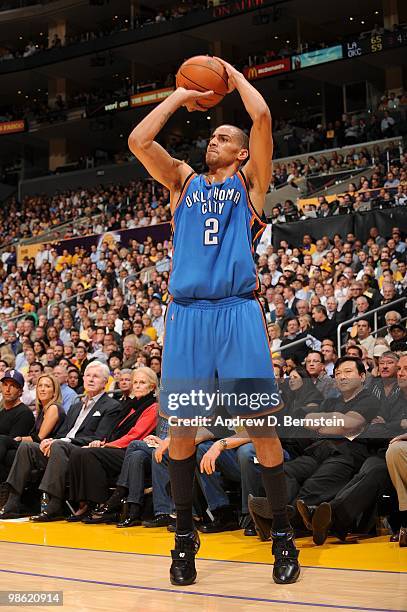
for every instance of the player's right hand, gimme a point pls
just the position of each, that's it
(190, 98)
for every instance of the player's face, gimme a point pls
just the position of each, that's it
(224, 148)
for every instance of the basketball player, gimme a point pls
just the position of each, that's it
(214, 324)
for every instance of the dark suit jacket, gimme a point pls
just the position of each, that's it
(293, 306)
(326, 329)
(298, 352)
(98, 423)
(346, 311)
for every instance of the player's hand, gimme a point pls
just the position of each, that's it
(208, 461)
(403, 423)
(233, 74)
(190, 98)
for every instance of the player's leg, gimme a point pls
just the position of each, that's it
(270, 456)
(186, 357)
(244, 363)
(181, 469)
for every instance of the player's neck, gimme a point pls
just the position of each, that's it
(219, 175)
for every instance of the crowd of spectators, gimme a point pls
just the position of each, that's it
(93, 321)
(111, 207)
(382, 190)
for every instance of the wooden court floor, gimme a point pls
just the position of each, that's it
(103, 568)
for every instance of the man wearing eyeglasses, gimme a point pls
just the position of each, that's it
(315, 366)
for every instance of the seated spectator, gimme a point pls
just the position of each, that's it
(330, 356)
(274, 331)
(302, 396)
(92, 469)
(396, 456)
(69, 396)
(348, 309)
(16, 419)
(75, 380)
(135, 475)
(292, 334)
(305, 322)
(363, 336)
(86, 421)
(314, 364)
(216, 459)
(356, 502)
(322, 326)
(29, 396)
(50, 417)
(130, 348)
(281, 314)
(399, 334)
(384, 385)
(328, 464)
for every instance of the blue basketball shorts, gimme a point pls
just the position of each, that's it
(217, 355)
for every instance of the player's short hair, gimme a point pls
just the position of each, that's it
(243, 137)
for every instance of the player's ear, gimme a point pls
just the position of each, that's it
(243, 155)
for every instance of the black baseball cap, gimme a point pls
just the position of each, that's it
(15, 376)
(397, 326)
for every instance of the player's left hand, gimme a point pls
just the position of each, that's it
(233, 74)
(208, 461)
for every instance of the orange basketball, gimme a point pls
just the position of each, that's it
(203, 73)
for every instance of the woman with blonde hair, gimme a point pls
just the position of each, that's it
(305, 321)
(50, 416)
(274, 333)
(48, 403)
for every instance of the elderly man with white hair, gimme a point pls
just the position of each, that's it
(90, 418)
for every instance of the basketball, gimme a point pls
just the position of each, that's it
(204, 73)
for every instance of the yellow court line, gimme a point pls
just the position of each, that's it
(366, 554)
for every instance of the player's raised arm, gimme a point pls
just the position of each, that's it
(258, 169)
(157, 161)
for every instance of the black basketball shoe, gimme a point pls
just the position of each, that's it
(183, 570)
(286, 567)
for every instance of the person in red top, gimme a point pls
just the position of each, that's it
(92, 469)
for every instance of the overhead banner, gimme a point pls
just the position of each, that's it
(12, 127)
(260, 71)
(237, 6)
(121, 238)
(314, 58)
(111, 107)
(150, 97)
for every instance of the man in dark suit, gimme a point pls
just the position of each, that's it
(348, 310)
(289, 299)
(322, 327)
(292, 334)
(89, 418)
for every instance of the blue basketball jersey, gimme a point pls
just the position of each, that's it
(216, 230)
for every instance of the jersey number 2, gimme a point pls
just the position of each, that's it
(210, 235)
